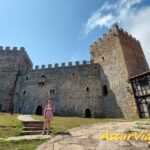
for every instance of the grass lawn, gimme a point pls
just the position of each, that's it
(9, 125)
(20, 145)
(62, 124)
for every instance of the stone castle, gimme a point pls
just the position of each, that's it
(96, 88)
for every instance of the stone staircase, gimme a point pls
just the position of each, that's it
(32, 127)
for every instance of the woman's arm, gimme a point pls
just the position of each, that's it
(53, 108)
(45, 111)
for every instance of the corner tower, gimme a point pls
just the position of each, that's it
(121, 57)
(12, 62)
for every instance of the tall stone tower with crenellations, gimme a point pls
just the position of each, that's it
(12, 61)
(121, 57)
(101, 87)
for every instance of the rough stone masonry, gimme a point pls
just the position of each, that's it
(95, 88)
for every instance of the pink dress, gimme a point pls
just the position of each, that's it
(48, 113)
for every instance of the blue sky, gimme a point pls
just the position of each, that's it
(56, 31)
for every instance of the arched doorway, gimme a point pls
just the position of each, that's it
(88, 113)
(0, 107)
(39, 110)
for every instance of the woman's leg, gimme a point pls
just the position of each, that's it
(48, 125)
(44, 126)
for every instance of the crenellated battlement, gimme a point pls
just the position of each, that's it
(69, 64)
(115, 31)
(13, 49)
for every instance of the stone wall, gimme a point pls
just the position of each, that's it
(11, 62)
(108, 52)
(133, 54)
(101, 85)
(73, 89)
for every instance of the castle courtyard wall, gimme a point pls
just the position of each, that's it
(73, 89)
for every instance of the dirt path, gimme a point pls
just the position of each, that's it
(87, 137)
(25, 118)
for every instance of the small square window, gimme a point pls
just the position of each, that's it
(43, 76)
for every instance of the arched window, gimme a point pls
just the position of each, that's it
(105, 91)
(88, 113)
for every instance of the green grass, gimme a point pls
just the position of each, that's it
(20, 145)
(9, 125)
(62, 124)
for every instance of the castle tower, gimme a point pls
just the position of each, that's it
(120, 56)
(12, 62)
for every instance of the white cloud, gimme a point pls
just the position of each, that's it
(135, 20)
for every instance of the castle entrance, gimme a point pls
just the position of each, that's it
(39, 110)
(88, 113)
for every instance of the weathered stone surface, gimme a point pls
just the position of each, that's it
(11, 62)
(72, 147)
(98, 88)
(88, 138)
(70, 96)
(120, 56)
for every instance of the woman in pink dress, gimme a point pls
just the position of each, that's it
(48, 116)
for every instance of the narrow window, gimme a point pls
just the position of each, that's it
(87, 89)
(43, 76)
(103, 58)
(27, 78)
(105, 91)
(24, 92)
(52, 91)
